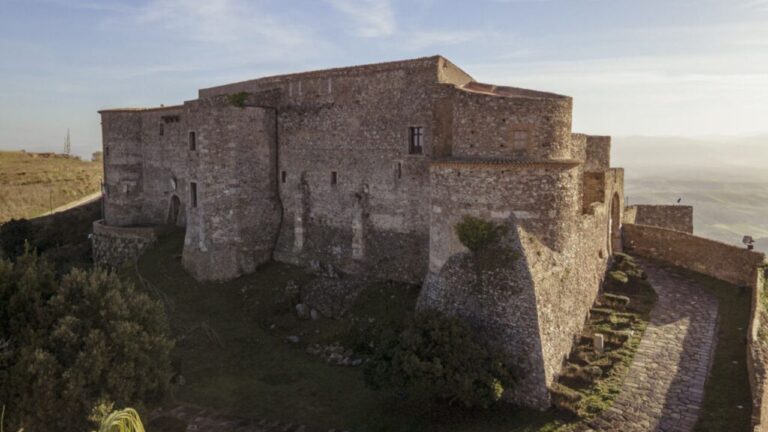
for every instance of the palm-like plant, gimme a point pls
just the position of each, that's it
(126, 420)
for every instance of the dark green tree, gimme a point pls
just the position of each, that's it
(76, 341)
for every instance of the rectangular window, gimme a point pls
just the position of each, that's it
(520, 140)
(193, 194)
(283, 176)
(399, 170)
(192, 141)
(334, 177)
(416, 141)
(162, 129)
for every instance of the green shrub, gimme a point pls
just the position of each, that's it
(436, 359)
(477, 234)
(85, 338)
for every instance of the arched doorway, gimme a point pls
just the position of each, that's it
(614, 225)
(173, 211)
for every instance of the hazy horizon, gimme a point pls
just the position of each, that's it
(698, 69)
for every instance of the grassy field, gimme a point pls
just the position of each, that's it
(31, 184)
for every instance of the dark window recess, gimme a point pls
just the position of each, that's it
(283, 176)
(193, 194)
(192, 141)
(334, 177)
(399, 170)
(415, 144)
(162, 129)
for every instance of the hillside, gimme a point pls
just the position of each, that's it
(34, 183)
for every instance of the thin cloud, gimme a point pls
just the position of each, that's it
(370, 18)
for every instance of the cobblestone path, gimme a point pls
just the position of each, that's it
(664, 388)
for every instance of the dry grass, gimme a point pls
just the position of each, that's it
(30, 183)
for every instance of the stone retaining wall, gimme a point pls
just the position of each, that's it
(729, 263)
(114, 246)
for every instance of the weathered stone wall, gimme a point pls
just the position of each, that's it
(729, 263)
(165, 150)
(484, 126)
(537, 302)
(233, 227)
(374, 218)
(123, 175)
(145, 161)
(757, 353)
(114, 246)
(675, 217)
(598, 153)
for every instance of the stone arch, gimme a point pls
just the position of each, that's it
(173, 210)
(614, 225)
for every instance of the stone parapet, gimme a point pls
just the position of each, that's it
(674, 217)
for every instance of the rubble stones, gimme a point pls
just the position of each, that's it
(334, 354)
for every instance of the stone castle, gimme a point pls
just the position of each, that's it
(368, 169)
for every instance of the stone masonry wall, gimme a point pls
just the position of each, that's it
(539, 300)
(675, 217)
(233, 228)
(123, 176)
(729, 263)
(115, 246)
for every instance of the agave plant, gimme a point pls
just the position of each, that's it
(126, 420)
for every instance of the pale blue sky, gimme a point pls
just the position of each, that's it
(645, 67)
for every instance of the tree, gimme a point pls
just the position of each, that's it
(76, 341)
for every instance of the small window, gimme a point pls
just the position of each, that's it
(162, 129)
(520, 140)
(399, 170)
(192, 141)
(193, 194)
(415, 143)
(334, 178)
(283, 176)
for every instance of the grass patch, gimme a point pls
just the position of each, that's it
(591, 381)
(233, 354)
(32, 184)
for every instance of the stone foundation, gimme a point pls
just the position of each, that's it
(115, 246)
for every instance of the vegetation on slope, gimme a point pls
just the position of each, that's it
(32, 184)
(68, 344)
(242, 349)
(592, 380)
(61, 237)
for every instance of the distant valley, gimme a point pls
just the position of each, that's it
(724, 178)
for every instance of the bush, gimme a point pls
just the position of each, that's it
(435, 359)
(74, 342)
(477, 234)
(13, 236)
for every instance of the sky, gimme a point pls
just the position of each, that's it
(634, 67)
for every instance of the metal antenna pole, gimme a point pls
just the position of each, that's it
(67, 145)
